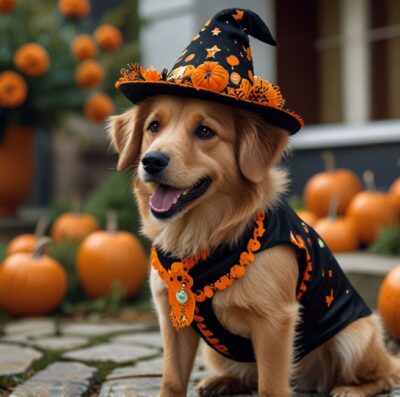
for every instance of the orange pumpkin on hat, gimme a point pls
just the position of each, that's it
(210, 75)
(323, 187)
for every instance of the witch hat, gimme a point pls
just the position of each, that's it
(217, 65)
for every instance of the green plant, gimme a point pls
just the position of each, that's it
(3, 249)
(388, 241)
(115, 193)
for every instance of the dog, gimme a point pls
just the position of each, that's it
(177, 143)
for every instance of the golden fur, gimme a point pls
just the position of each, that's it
(240, 160)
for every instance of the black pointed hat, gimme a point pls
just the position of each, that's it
(217, 65)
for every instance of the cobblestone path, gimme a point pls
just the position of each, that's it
(42, 358)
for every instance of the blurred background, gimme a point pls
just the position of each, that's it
(337, 64)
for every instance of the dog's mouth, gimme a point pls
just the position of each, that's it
(168, 201)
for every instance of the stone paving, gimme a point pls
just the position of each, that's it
(49, 358)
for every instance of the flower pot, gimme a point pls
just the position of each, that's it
(17, 167)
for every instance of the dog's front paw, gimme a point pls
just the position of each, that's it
(348, 391)
(221, 385)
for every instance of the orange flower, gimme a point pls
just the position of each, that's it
(152, 75)
(7, 6)
(108, 37)
(74, 8)
(89, 74)
(84, 47)
(32, 59)
(98, 107)
(266, 93)
(13, 89)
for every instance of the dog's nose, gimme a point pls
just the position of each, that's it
(155, 162)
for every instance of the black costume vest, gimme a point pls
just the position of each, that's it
(328, 301)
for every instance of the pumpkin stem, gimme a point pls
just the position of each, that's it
(369, 180)
(329, 160)
(41, 245)
(76, 203)
(41, 226)
(112, 222)
(333, 207)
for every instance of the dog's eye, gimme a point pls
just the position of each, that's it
(204, 132)
(154, 127)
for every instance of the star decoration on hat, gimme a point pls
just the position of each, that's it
(212, 51)
(216, 31)
(238, 15)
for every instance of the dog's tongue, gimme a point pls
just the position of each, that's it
(164, 198)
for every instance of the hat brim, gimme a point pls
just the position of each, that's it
(137, 91)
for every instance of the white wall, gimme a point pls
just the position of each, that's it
(170, 26)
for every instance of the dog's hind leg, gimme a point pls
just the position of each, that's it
(366, 368)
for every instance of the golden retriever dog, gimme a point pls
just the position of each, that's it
(219, 162)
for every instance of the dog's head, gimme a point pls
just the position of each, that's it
(196, 161)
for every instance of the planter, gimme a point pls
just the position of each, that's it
(17, 167)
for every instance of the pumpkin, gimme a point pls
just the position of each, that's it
(107, 257)
(73, 226)
(32, 284)
(389, 302)
(232, 60)
(27, 242)
(211, 76)
(371, 211)
(324, 186)
(394, 193)
(308, 217)
(340, 234)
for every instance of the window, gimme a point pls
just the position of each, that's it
(384, 38)
(339, 60)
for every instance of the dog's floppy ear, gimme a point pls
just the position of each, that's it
(126, 137)
(260, 145)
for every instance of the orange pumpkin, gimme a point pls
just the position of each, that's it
(308, 217)
(394, 193)
(32, 284)
(232, 60)
(73, 226)
(27, 242)
(324, 186)
(106, 257)
(211, 76)
(389, 302)
(371, 211)
(339, 234)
